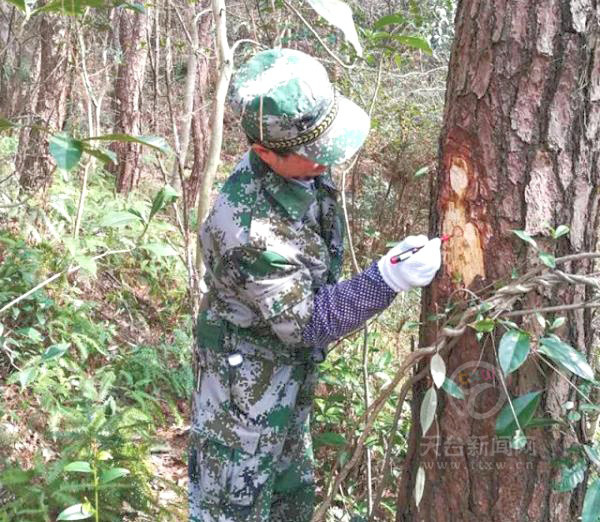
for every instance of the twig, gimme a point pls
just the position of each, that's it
(388, 454)
(561, 308)
(367, 400)
(243, 41)
(312, 30)
(81, 202)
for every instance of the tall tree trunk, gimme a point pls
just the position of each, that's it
(49, 104)
(519, 150)
(128, 95)
(200, 116)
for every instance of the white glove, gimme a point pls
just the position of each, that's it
(417, 270)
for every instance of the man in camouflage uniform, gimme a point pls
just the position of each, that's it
(273, 245)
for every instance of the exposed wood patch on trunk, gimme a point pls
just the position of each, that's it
(463, 215)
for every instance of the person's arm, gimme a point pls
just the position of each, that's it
(279, 291)
(257, 287)
(343, 307)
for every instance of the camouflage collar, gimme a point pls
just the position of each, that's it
(293, 198)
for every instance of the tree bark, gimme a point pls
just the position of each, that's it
(200, 116)
(128, 95)
(519, 150)
(49, 105)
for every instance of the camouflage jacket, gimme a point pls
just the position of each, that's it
(268, 245)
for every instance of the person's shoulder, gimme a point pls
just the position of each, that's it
(240, 187)
(231, 213)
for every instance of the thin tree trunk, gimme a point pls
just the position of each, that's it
(185, 118)
(200, 115)
(128, 96)
(519, 150)
(225, 70)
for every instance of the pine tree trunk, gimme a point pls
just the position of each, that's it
(519, 150)
(49, 105)
(128, 96)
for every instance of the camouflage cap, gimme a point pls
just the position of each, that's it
(287, 103)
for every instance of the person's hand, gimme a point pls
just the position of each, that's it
(417, 270)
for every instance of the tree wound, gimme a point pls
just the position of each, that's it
(463, 255)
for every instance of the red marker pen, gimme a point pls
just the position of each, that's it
(403, 256)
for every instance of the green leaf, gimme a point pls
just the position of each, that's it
(27, 375)
(32, 334)
(570, 477)
(513, 350)
(87, 263)
(484, 325)
(104, 155)
(104, 455)
(156, 142)
(574, 416)
(65, 150)
(56, 350)
(416, 42)
(399, 59)
(77, 512)
(118, 219)
(453, 389)
(165, 196)
(561, 230)
(548, 259)
(519, 440)
(15, 477)
(134, 7)
(525, 237)
(589, 407)
(421, 172)
(113, 474)
(20, 4)
(428, 407)
(419, 485)
(339, 14)
(540, 422)
(78, 466)
(70, 7)
(524, 407)
(4, 123)
(593, 454)
(591, 503)
(160, 249)
(557, 323)
(396, 18)
(438, 369)
(540, 319)
(136, 213)
(330, 438)
(567, 356)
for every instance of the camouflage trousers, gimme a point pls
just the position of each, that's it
(250, 454)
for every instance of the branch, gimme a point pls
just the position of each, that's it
(312, 30)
